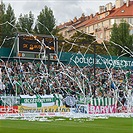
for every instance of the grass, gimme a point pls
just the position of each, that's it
(111, 125)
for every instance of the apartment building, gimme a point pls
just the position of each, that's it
(101, 23)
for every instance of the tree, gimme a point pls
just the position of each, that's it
(8, 25)
(120, 35)
(61, 44)
(81, 40)
(2, 12)
(25, 22)
(83, 43)
(1, 23)
(45, 22)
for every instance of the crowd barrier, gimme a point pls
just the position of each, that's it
(55, 105)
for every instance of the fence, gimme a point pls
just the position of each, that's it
(51, 103)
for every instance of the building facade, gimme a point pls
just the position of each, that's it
(101, 23)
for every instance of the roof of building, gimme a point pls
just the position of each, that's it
(123, 11)
(116, 13)
(89, 20)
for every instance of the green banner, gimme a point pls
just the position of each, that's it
(82, 60)
(36, 100)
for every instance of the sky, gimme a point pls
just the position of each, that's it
(63, 10)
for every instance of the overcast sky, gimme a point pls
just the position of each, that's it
(63, 10)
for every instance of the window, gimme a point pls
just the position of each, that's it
(98, 25)
(130, 20)
(106, 14)
(102, 24)
(112, 21)
(65, 34)
(131, 32)
(88, 29)
(118, 21)
(93, 27)
(101, 35)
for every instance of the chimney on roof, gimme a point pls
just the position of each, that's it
(75, 19)
(88, 17)
(110, 6)
(101, 9)
(107, 7)
(70, 21)
(82, 18)
(62, 23)
(119, 3)
(96, 14)
(83, 15)
(91, 16)
(127, 3)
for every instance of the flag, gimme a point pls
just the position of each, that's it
(102, 101)
(113, 86)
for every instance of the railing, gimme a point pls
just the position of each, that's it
(92, 105)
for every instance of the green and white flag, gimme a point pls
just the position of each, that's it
(37, 100)
(102, 101)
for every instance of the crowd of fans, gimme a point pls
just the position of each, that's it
(29, 78)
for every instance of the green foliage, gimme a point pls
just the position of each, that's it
(120, 38)
(25, 22)
(8, 20)
(60, 43)
(82, 40)
(1, 23)
(100, 48)
(84, 43)
(45, 22)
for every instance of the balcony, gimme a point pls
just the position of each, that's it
(106, 28)
(98, 29)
